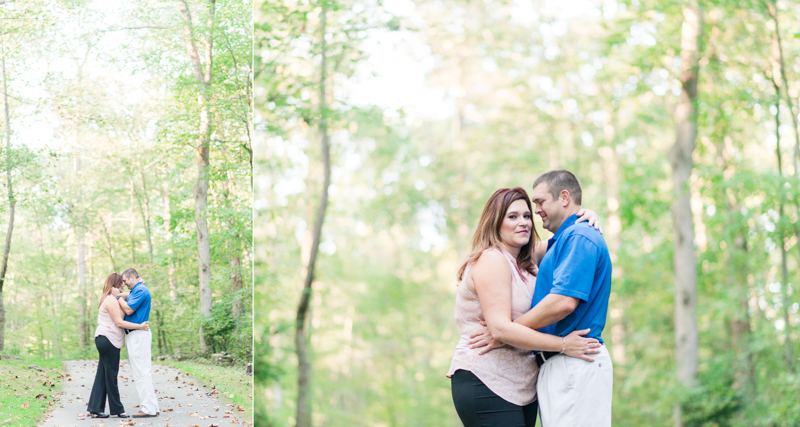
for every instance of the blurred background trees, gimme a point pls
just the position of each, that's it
(432, 105)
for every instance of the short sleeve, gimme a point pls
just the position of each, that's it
(136, 299)
(573, 275)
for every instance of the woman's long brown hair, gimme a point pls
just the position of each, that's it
(113, 280)
(487, 235)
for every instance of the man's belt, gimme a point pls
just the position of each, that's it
(544, 356)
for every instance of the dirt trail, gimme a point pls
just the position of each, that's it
(181, 399)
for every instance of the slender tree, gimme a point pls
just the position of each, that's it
(12, 203)
(680, 157)
(304, 368)
(202, 76)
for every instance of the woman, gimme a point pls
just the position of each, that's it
(496, 286)
(109, 339)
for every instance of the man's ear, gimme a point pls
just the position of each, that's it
(564, 198)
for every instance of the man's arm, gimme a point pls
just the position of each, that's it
(570, 284)
(551, 309)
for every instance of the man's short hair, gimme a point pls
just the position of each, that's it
(130, 273)
(559, 180)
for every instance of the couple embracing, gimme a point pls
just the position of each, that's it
(112, 333)
(531, 313)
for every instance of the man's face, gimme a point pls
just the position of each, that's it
(129, 281)
(551, 211)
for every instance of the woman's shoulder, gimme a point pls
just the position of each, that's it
(491, 258)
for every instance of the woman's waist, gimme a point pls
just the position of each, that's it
(464, 346)
(109, 327)
(513, 364)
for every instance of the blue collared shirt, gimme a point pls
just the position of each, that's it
(576, 265)
(139, 301)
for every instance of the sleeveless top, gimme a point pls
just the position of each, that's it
(107, 328)
(507, 371)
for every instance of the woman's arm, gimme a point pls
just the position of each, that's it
(591, 218)
(538, 251)
(491, 276)
(116, 316)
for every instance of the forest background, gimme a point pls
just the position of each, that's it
(117, 154)
(679, 118)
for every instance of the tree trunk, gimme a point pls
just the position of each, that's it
(171, 273)
(144, 207)
(132, 229)
(779, 68)
(12, 203)
(80, 234)
(787, 345)
(303, 404)
(614, 239)
(680, 157)
(110, 245)
(236, 284)
(200, 190)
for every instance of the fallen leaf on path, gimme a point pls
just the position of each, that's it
(25, 405)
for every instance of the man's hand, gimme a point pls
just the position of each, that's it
(483, 339)
(115, 292)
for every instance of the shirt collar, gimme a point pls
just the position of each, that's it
(564, 225)
(138, 282)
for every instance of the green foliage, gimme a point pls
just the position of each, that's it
(714, 402)
(219, 326)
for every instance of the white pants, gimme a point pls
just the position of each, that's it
(139, 343)
(573, 392)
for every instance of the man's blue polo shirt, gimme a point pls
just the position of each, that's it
(139, 301)
(577, 265)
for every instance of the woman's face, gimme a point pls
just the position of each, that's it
(517, 224)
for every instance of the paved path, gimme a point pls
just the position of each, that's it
(181, 399)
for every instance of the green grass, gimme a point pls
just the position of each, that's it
(232, 382)
(20, 386)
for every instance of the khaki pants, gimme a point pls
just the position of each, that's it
(573, 392)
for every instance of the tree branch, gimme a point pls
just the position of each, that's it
(153, 27)
(188, 35)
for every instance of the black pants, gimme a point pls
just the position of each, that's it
(477, 406)
(105, 382)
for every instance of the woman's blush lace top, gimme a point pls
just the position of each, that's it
(508, 371)
(107, 327)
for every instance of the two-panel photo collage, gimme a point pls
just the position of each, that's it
(390, 213)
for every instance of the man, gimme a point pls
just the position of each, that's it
(572, 290)
(136, 305)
